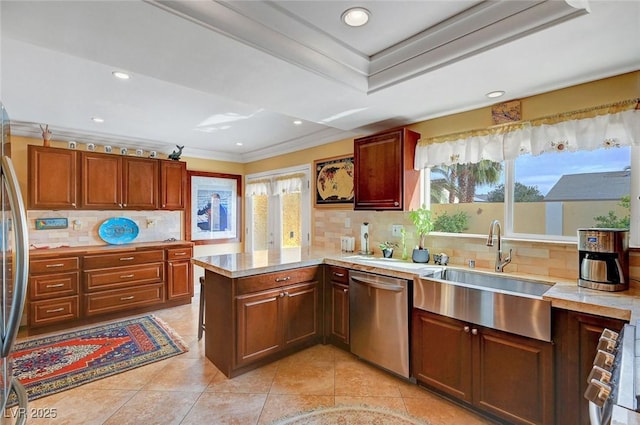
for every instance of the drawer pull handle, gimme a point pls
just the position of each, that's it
(56, 310)
(338, 274)
(283, 279)
(179, 253)
(127, 298)
(55, 265)
(127, 258)
(55, 285)
(127, 276)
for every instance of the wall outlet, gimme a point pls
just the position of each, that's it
(396, 230)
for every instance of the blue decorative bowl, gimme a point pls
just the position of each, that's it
(118, 230)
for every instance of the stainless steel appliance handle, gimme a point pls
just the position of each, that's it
(595, 414)
(21, 255)
(23, 401)
(378, 285)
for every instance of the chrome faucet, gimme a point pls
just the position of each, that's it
(500, 262)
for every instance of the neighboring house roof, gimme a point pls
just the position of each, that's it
(611, 185)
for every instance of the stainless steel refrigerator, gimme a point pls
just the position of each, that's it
(13, 274)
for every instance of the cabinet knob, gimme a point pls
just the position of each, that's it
(345, 290)
(396, 204)
(73, 204)
(466, 329)
(474, 331)
(281, 295)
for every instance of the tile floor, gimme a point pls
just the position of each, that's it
(188, 389)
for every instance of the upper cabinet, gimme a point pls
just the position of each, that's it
(65, 179)
(52, 178)
(384, 177)
(112, 182)
(173, 184)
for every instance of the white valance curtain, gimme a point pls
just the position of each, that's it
(291, 183)
(534, 137)
(259, 187)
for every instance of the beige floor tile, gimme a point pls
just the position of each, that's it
(304, 378)
(155, 408)
(257, 381)
(442, 412)
(278, 405)
(226, 408)
(183, 374)
(356, 378)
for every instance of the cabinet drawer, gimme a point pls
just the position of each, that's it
(54, 265)
(100, 261)
(175, 254)
(42, 313)
(338, 274)
(121, 277)
(53, 285)
(265, 281)
(123, 299)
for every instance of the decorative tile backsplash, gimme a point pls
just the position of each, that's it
(83, 227)
(552, 259)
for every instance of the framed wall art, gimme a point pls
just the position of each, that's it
(333, 183)
(214, 211)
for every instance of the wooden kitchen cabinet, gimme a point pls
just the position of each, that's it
(179, 273)
(53, 291)
(256, 319)
(52, 178)
(384, 177)
(576, 337)
(118, 182)
(173, 184)
(337, 309)
(506, 375)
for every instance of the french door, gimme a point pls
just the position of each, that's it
(278, 209)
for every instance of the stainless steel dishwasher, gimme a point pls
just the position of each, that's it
(379, 309)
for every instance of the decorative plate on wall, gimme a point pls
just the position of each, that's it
(118, 230)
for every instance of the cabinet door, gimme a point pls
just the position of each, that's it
(300, 313)
(513, 377)
(259, 321)
(101, 181)
(442, 354)
(179, 282)
(173, 183)
(339, 325)
(140, 183)
(52, 178)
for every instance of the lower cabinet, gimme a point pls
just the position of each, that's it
(506, 375)
(179, 273)
(337, 307)
(576, 338)
(256, 319)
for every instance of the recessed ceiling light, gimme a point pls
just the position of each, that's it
(356, 16)
(238, 143)
(297, 122)
(121, 75)
(97, 119)
(496, 93)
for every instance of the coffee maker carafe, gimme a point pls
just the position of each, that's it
(603, 259)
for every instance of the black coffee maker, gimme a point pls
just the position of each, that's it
(603, 259)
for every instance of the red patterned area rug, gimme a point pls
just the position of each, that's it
(351, 415)
(56, 363)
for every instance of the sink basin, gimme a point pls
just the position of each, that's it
(506, 303)
(494, 282)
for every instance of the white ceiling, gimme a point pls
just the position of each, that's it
(209, 74)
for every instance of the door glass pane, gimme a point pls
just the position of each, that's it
(259, 225)
(291, 219)
(558, 192)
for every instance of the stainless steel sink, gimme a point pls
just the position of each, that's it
(492, 281)
(505, 303)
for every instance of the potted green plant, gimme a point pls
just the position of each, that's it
(421, 218)
(387, 248)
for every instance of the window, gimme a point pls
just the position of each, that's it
(278, 209)
(543, 181)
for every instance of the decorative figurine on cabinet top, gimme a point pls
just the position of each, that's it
(175, 155)
(46, 135)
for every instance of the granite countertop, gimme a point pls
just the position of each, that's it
(106, 249)
(564, 294)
